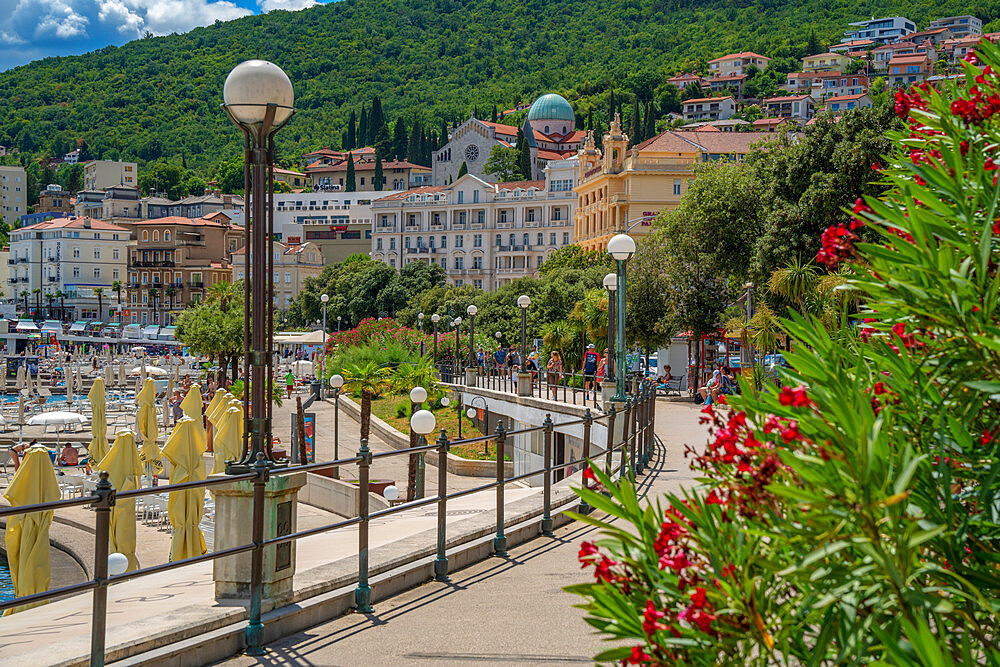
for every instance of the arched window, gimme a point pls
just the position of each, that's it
(166, 236)
(156, 235)
(546, 129)
(420, 241)
(145, 235)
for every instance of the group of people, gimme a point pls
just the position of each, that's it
(508, 361)
(722, 382)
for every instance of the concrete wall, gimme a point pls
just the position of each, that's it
(337, 496)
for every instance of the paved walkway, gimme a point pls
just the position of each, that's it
(510, 612)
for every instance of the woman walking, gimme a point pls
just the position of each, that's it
(554, 371)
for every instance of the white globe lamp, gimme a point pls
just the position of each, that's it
(621, 247)
(117, 564)
(611, 282)
(423, 422)
(390, 493)
(472, 310)
(252, 86)
(418, 395)
(336, 381)
(524, 301)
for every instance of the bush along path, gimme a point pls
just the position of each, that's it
(850, 516)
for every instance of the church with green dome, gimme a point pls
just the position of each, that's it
(549, 129)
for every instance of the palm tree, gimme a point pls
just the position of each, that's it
(224, 292)
(50, 297)
(62, 304)
(99, 293)
(24, 293)
(117, 287)
(171, 292)
(794, 282)
(371, 380)
(38, 300)
(153, 296)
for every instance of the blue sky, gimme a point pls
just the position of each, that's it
(32, 29)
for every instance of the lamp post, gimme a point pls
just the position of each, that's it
(418, 428)
(338, 323)
(435, 318)
(258, 98)
(422, 422)
(523, 302)
(458, 329)
(420, 325)
(610, 284)
(621, 247)
(471, 312)
(322, 360)
(336, 381)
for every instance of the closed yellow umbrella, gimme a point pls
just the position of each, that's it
(192, 405)
(218, 399)
(27, 538)
(147, 425)
(183, 449)
(124, 473)
(98, 423)
(228, 442)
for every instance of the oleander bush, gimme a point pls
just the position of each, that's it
(853, 516)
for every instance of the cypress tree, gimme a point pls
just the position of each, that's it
(495, 113)
(349, 184)
(475, 112)
(812, 46)
(590, 119)
(377, 128)
(352, 133)
(635, 123)
(611, 113)
(377, 179)
(362, 138)
(650, 121)
(443, 136)
(399, 141)
(523, 157)
(463, 170)
(414, 150)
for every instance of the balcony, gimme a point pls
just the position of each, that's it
(513, 248)
(12, 260)
(12, 280)
(196, 285)
(22, 260)
(53, 279)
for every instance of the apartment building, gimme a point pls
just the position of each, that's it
(53, 199)
(13, 193)
(882, 30)
(709, 108)
(907, 70)
(797, 108)
(854, 46)
(69, 256)
(292, 265)
(931, 36)
(835, 84)
(960, 26)
(730, 84)
(621, 189)
(825, 62)
(682, 80)
(174, 261)
(482, 234)
(842, 103)
(333, 176)
(737, 63)
(883, 54)
(193, 206)
(101, 174)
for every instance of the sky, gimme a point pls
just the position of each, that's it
(32, 29)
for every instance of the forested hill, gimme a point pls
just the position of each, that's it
(433, 59)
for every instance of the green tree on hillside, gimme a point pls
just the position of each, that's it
(378, 180)
(349, 180)
(523, 157)
(502, 163)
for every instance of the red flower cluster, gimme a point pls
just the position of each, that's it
(697, 613)
(797, 398)
(837, 245)
(981, 105)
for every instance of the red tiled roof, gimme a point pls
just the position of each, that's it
(699, 100)
(550, 155)
(825, 55)
(786, 98)
(688, 141)
(364, 165)
(741, 54)
(909, 60)
(511, 185)
(727, 77)
(500, 128)
(424, 189)
(179, 220)
(708, 128)
(842, 98)
(77, 223)
(765, 122)
(288, 171)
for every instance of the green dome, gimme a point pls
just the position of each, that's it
(551, 107)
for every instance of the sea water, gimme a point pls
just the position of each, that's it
(6, 583)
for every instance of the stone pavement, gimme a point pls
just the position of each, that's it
(511, 611)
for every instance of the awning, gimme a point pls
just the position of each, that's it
(167, 333)
(151, 330)
(131, 331)
(52, 325)
(95, 325)
(77, 326)
(26, 325)
(112, 325)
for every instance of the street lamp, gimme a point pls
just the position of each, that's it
(422, 422)
(621, 247)
(338, 323)
(258, 98)
(610, 284)
(458, 329)
(435, 318)
(523, 302)
(471, 311)
(336, 381)
(322, 360)
(420, 325)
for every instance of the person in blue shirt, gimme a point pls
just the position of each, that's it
(591, 359)
(500, 357)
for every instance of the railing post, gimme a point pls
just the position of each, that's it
(363, 593)
(640, 430)
(587, 423)
(441, 562)
(626, 459)
(255, 627)
(102, 507)
(547, 487)
(609, 449)
(651, 436)
(500, 540)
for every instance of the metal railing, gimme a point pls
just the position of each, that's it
(635, 448)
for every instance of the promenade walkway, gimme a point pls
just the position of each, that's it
(500, 611)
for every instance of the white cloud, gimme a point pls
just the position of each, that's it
(290, 5)
(58, 18)
(166, 16)
(121, 17)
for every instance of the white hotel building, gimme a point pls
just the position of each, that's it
(482, 234)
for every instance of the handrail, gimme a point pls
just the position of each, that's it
(635, 446)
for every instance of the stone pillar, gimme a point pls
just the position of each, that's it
(234, 527)
(607, 391)
(524, 384)
(470, 377)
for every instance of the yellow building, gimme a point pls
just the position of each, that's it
(624, 188)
